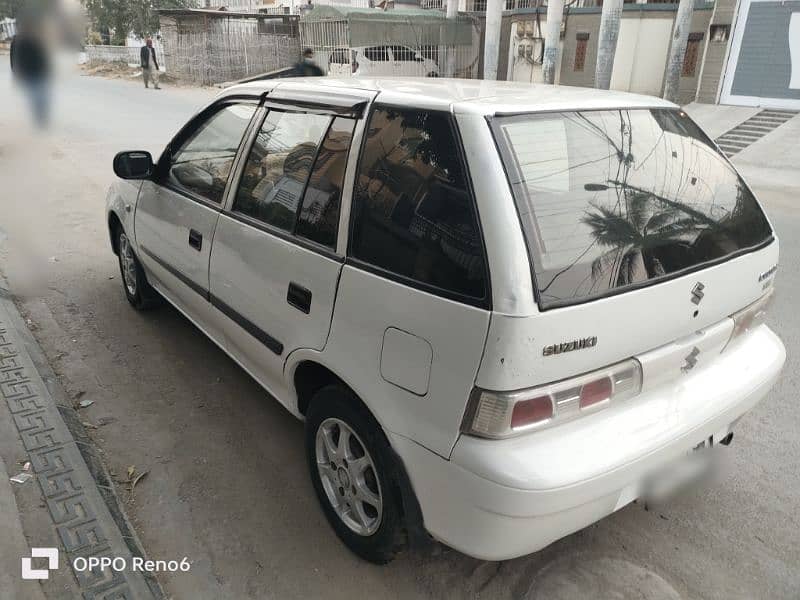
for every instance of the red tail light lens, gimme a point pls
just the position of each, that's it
(595, 392)
(505, 414)
(531, 412)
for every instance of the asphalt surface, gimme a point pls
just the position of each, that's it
(227, 485)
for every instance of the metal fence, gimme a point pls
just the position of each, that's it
(8, 29)
(385, 44)
(214, 49)
(124, 54)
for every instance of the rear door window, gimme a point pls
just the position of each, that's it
(275, 175)
(617, 199)
(318, 220)
(413, 214)
(377, 53)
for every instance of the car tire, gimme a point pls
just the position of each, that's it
(138, 291)
(432, 74)
(368, 516)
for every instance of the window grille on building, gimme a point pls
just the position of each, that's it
(580, 51)
(690, 57)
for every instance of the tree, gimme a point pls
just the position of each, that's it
(130, 16)
(111, 15)
(10, 8)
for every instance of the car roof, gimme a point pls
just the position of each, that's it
(470, 96)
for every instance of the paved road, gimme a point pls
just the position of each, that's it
(227, 483)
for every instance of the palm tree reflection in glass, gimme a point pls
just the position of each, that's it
(652, 223)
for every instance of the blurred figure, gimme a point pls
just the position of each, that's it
(31, 65)
(149, 64)
(307, 67)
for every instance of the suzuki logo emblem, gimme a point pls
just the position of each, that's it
(691, 360)
(697, 292)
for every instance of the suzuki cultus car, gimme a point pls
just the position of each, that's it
(501, 309)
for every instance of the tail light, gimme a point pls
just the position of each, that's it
(505, 414)
(750, 316)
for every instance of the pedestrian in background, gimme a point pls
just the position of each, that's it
(30, 63)
(149, 64)
(307, 67)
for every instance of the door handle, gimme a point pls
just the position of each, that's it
(195, 239)
(299, 297)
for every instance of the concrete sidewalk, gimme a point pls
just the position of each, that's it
(62, 506)
(13, 546)
(772, 162)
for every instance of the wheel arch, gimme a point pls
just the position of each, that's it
(307, 375)
(114, 225)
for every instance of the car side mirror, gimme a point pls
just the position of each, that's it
(419, 58)
(134, 164)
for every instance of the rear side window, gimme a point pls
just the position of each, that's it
(202, 163)
(278, 166)
(413, 215)
(616, 199)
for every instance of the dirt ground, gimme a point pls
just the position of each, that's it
(119, 70)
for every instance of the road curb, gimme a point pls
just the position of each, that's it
(77, 490)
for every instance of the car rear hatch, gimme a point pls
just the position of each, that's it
(643, 242)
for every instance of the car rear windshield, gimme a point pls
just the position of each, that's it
(615, 199)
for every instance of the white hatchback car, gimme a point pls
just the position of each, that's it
(500, 308)
(388, 61)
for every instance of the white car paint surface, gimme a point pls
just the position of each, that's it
(422, 358)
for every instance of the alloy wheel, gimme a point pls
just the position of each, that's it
(349, 477)
(128, 264)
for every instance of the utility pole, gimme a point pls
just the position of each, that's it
(491, 45)
(677, 50)
(452, 9)
(552, 39)
(452, 15)
(607, 43)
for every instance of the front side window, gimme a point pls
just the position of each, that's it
(413, 215)
(203, 162)
(614, 199)
(278, 166)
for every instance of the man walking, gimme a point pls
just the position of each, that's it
(307, 67)
(30, 64)
(149, 64)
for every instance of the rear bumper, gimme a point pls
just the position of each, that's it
(497, 500)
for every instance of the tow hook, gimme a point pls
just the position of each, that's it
(726, 441)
